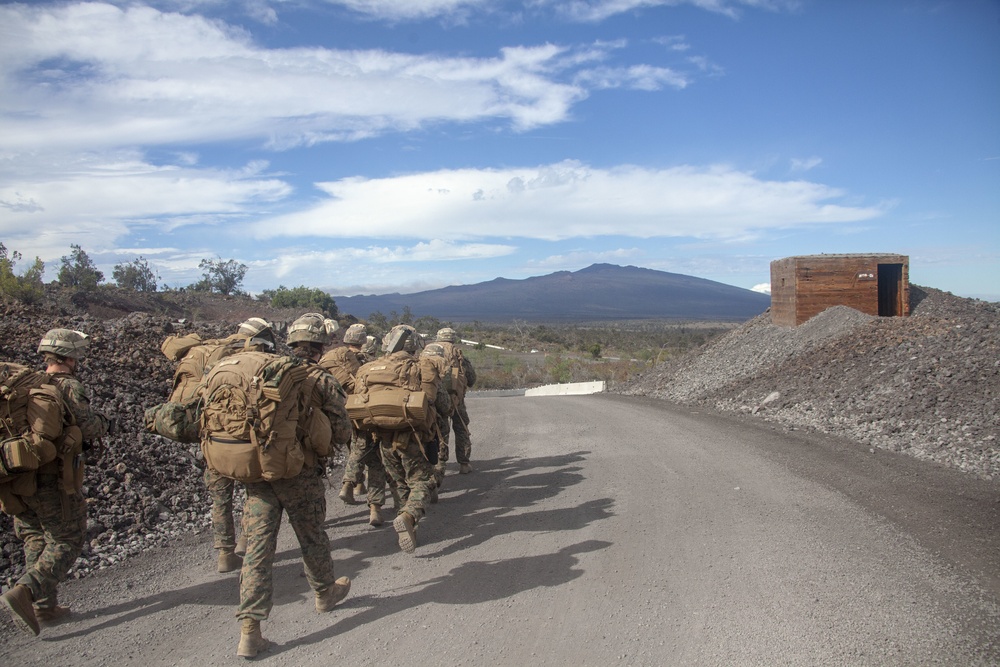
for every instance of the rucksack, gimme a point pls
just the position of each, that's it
(196, 357)
(457, 382)
(387, 396)
(174, 420)
(32, 424)
(250, 412)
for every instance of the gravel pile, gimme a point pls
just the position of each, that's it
(927, 385)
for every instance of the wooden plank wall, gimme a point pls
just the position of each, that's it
(802, 287)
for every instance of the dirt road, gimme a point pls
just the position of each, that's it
(600, 530)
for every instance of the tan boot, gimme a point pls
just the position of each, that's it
(241, 544)
(374, 515)
(18, 601)
(328, 599)
(251, 641)
(52, 615)
(464, 469)
(229, 561)
(347, 493)
(406, 527)
(360, 489)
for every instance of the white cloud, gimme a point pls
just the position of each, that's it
(96, 200)
(763, 288)
(95, 75)
(599, 10)
(565, 200)
(637, 77)
(806, 164)
(396, 10)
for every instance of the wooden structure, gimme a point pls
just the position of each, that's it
(804, 286)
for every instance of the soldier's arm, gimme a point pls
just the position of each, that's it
(91, 422)
(470, 372)
(333, 407)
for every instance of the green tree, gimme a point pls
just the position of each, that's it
(78, 270)
(223, 277)
(28, 286)
(136, 275)
(306, 298)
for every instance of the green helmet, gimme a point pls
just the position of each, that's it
(447, 335)
(311, 328)
(356, 334)
(64, 342)
(255, 327)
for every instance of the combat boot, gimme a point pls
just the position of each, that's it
(360, 489)
(229, 561)
(251, 641)
(347, 493)
(241, 544)
(406, 527)
(434, 495)
(52, 615)
(374, 515)
(18, 600)
(326, 600)
(464, 469)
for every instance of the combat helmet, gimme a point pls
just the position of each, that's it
(312, 328)
(356, 334)
(64, 343)
(447, 335)
(257, 327)
(402, 337)
(433, 350)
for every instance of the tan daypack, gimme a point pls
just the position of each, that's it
(249, 418)
(315, 430)
(196, 357)
(387, 396)
(341, 362)
(456, 384)
(33, 432)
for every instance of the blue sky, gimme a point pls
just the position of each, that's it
(371, 146)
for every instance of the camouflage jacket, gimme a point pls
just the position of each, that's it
(327, 395)
(92, 423)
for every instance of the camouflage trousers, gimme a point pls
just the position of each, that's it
(52, 529)
(303, 498)
(220, 491)
(409, 469)
(463, 440)
(365, 454)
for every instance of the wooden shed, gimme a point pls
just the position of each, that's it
(804, 286)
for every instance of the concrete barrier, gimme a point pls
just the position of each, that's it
(570, 389)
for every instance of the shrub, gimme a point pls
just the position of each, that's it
(136, 275)
(78, 270)
(26, 287)
(226, 278)
(307, 298)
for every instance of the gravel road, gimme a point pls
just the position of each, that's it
(600, 530)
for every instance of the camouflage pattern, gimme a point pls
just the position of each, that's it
(343, 363)
(304, 499)
(52, 529)
(93, 424)
(55, 521)
(413, 474)
(328, 395)
(365, 453)
(221, 491)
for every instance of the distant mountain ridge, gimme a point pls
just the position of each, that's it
(598, 292)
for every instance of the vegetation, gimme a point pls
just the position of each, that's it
(305, 298)
(136, 275)
(224, 278)
(26, 287)
(79, 271)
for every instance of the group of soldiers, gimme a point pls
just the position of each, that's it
(409, 463)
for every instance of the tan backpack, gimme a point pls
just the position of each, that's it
(196, 357)
(387, 396)
(252, 403)
(33, 433)
(457, 383)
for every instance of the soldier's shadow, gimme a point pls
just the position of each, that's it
(473, 509)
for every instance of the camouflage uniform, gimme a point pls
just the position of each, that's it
(303, 498)
(343, 362)
(408, 457)
(459, 421)
(55, 521)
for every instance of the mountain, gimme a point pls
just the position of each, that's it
(598, 292)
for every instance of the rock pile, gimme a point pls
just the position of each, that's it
(927, 385)
(142, 490)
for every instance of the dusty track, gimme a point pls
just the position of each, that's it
(601, 530)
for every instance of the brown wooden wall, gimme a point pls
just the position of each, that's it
(804, 286)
